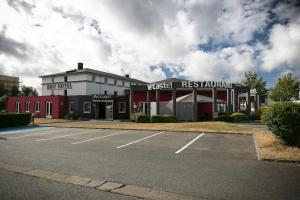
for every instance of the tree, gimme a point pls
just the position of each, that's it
(28, 91)
(3, 91)
(286, 88)
(254, 81)
(15, 91)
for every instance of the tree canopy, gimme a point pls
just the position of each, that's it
(286, 88)
(28, 91)
(255, 81)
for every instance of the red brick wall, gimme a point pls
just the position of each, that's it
(58, 105)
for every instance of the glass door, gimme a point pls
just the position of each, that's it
(48, 109)
(109, 110)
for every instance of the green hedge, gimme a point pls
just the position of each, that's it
(142, 119)
(133, 116)
(163, 119)
(239, 117)
(225, 118)
(283, 119)
(14, 119)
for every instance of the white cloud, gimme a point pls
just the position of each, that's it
(284, 48)
(130, 36)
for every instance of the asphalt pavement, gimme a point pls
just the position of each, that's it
(211, 166)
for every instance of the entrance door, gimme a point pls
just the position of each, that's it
(109, 110)
(48, 109)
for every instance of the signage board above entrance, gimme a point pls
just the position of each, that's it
(102, 97)
(59, 86)
(190, 84)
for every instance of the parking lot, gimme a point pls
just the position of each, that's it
(212, 166)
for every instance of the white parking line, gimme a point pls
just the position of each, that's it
(188, 144)
(63, 136)
(34, 134)
(139, 140)
(97, 138)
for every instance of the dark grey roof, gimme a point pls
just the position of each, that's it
(92, 71)
(170, 80)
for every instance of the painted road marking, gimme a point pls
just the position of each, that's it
(188, 144)
(139, 140)
(63, 136)
(34, 134)
(97, 138)
(20, 130)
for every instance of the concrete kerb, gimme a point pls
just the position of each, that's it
(106, 186)
(257, 148)
(179, 131)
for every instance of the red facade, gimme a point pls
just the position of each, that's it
(57, 107)
(203, 108)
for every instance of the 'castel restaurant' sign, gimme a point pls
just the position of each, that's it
(59, 86)
(190, 84)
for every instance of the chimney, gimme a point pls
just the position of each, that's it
(80, 66)
(127, 75)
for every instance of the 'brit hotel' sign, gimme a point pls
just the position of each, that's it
(190, 84)
(59, 86)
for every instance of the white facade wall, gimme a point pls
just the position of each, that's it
(84, 84)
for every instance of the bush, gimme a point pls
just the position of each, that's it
(72, 116)
(283, 119)
(133, 116)
(225, 118)
(142, 119)
(238, 117)
(14, 119)
(163, 119)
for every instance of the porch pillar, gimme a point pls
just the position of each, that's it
(248, 104)
(131, 98)
(148, 103)
(229, 104)
(174, 101)
(157, 101)
(214, 106)
(195, 110)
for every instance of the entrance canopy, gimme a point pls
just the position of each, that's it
(200, 98)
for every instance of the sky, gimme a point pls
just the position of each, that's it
(151, 39)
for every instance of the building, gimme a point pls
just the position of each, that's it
(190, 100)
(94, 94)
(9, 83)
(85, 92)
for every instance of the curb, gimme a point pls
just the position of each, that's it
(257, 148)
(188, 131)
(259, 157)
(104, 186)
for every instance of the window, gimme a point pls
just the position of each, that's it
(17, 107)
(105, 92)
(65, 92)
(115, 93)
(71, 107)
(66, 79)
(142, 107)
(93, 78)
(87, 107)
(27, 107)
(122, 107)
(37, 106)
(221, 107)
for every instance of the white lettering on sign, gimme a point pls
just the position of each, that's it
(59, 86)
(190, 84)
(158, 86)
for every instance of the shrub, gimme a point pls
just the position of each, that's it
(72, 116)
(133, 116)
(14, 119)
(169, 118)
(163, 119)
(283, 119)
(142, 119)
(225, 118)
(238, 117)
